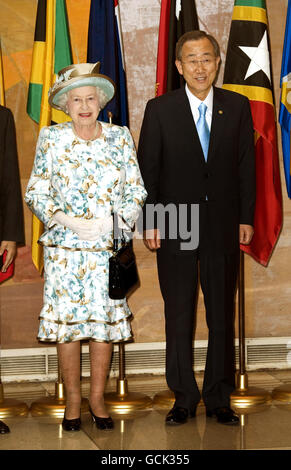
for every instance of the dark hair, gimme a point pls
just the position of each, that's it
(195, 36)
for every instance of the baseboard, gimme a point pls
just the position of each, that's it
(41, 364)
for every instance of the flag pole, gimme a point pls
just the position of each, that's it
(122, 401)
(267, 162)
(282, 394)
(245, 399)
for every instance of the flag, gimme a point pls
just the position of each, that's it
(176, 18)
(285, 104)
(10, 270)
(51, 52)
(248, 71)
(105, 46)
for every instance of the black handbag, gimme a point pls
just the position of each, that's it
(123, 275)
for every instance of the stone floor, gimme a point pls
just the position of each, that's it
(266, 428)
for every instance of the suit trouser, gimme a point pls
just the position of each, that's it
(178, 276)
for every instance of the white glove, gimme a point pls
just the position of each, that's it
(86, 229)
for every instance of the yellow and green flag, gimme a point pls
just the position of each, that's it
(248, 71)
(51, 52)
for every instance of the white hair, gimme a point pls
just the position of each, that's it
(102, 99)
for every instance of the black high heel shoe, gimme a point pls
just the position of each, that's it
(71, 424)
(104, 424)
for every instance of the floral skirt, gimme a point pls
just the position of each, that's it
(76, 302)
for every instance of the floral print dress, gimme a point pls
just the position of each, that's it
(86, 179)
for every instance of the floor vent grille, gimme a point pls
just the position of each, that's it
(41, 364)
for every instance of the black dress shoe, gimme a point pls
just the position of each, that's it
(179, 415)
(104, 424)
(71, 424)
(4, 429)
(223, 415)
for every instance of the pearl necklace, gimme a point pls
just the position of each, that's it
(98, 129)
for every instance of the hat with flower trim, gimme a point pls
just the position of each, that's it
(78, 75)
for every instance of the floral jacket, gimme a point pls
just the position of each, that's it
(86, 179)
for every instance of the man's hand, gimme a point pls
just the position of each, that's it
(245, 234)
(152, 239)
(10, 255)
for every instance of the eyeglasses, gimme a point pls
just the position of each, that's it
(194, 63)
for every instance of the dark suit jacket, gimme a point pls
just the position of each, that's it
(174, 169)
(11, 207)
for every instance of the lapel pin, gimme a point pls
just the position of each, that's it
(220, 111)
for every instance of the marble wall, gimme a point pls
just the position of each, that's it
(267, 290)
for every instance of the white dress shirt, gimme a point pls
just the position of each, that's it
(195, 103)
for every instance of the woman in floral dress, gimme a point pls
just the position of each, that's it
(84, 170)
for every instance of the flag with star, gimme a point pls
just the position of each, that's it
(285, 103)
(176, 18)
(248, 71)
(51, 53)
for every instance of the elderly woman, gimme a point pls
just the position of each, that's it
(84, 170)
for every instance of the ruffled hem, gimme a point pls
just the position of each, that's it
(88, 313)
(46, 340)
(53, 331)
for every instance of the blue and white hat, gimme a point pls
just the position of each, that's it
(78, 75)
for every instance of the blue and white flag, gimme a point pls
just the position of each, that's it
(105, 45)
(285, 104)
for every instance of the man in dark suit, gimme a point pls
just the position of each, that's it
(11, 208)
(189, 156)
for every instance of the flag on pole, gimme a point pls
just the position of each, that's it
(285, 104)
(10, 270)
(105, 46)
(51, 52)
(248, 71)
(176, 18)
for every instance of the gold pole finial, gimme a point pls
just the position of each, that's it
(110, 116)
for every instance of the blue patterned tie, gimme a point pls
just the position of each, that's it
(203, 130)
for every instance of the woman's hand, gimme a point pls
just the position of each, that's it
(86, 229)
(10, 247)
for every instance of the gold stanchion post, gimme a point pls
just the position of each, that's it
(245, 399)
(54, 406)
(122, 401)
